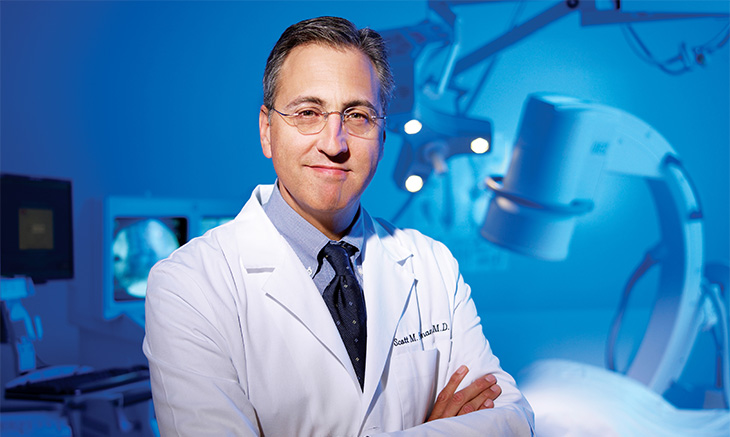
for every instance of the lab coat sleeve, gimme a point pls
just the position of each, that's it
(512, 414)
(195, 386)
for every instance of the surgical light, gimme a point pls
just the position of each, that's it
(441, 136)
(414, 183)
(480, 145)
(412, 127)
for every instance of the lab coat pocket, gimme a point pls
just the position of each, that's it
(415, 373)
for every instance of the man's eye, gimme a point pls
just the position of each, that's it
(307, 113)
(357, 115)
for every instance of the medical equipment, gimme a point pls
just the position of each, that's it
(431, 109)
(63, 398)
(12, 293)
(535, 205)
(37, 228)
(135, 233)
(563, 147)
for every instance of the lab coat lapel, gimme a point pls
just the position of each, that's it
(388, 281)
(272, 264)
(304, 302)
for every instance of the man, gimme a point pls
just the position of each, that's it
(305, 316)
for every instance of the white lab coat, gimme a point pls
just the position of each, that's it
(240, 342)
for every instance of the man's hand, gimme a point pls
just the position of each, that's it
(479, 395)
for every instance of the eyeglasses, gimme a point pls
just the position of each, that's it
(357, 120)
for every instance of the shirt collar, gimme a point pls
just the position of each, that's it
(302, 236)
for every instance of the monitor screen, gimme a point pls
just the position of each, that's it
(137, 233)
(137, 244)
(37, 228)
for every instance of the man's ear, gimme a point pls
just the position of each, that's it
(265, 131)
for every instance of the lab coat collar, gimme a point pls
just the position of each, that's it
(387, 283)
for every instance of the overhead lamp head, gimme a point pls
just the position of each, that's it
(440, 136)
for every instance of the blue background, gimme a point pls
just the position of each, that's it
(161, 99)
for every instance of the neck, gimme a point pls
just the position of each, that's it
(335, 228)
(333, 224)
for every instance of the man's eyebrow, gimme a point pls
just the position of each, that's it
(305, 99)
(353, 103)
(321, 103)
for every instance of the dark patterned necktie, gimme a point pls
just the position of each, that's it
(344, 300)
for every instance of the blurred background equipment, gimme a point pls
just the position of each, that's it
(54, 400)
(433, 111)
(563, 147)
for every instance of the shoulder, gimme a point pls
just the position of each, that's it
(428, 260)
(215, 253)
(225, 242)
(407, 237)
(202, 277)
(421, 246)
(196, 259)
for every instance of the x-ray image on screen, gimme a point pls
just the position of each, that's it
(138, 244)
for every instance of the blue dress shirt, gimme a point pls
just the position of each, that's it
(307, 241)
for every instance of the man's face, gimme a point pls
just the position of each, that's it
(322, 176)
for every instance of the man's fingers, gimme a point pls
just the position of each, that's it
(478, 395)
(483, 400)
(471, 397)
(446, 395)
(496, 390)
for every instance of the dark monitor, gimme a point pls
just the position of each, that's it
(37, 228)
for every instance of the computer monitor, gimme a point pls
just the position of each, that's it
(37, 228)
(138, 244)
(140, 231)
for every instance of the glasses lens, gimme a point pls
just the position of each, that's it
(309, 121)
(359, 120)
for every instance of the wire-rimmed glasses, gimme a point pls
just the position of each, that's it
(357, 120)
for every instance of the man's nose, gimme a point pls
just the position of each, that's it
(334, 140)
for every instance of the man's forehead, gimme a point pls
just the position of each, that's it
(309, 66)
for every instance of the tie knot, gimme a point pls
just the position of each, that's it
(338, 255)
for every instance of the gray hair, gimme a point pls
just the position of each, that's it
(334, 32)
